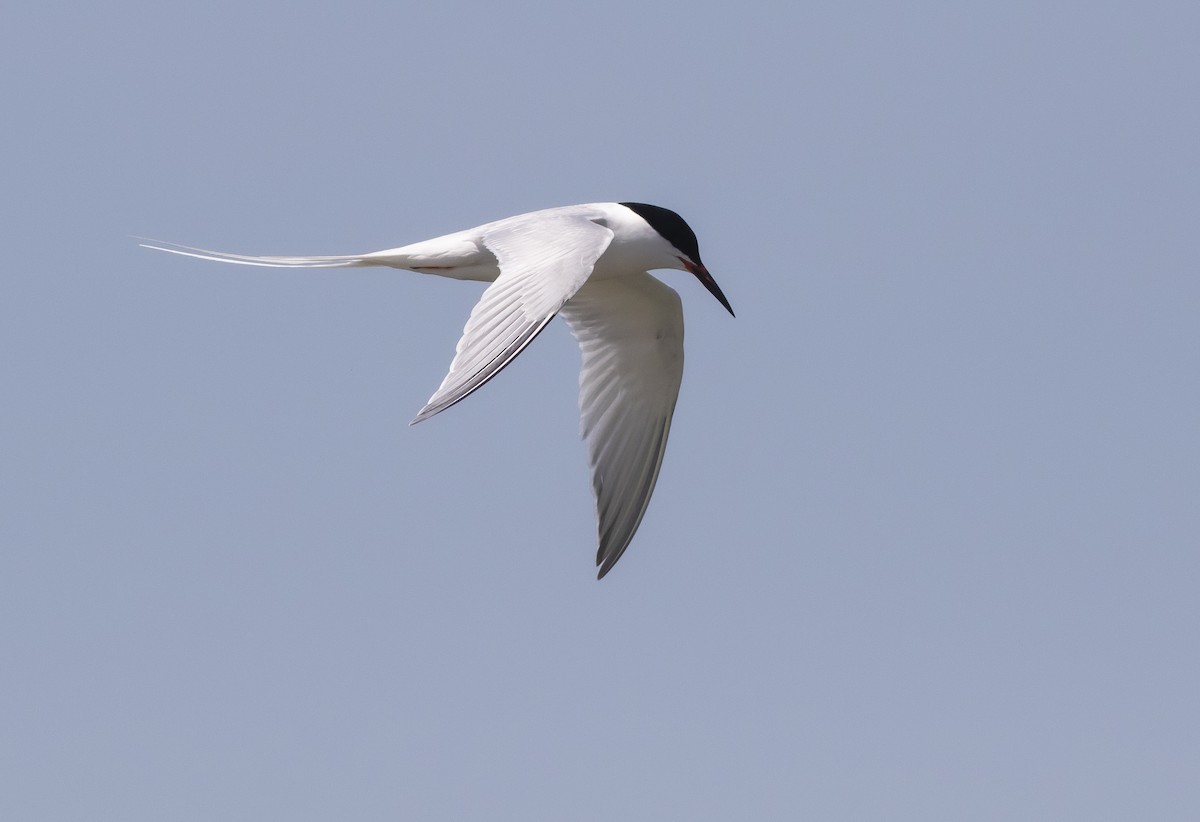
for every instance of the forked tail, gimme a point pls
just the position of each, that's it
(246, 259)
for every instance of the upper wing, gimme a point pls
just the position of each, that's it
(543, 262)
(630, 330)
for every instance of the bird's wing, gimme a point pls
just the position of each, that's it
(630, 330)
(543, 262)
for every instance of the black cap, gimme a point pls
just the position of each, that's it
(673, 228)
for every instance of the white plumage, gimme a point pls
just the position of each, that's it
(589, 262)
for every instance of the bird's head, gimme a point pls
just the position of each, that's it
(675, 230)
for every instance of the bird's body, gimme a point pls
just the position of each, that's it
(589, 262)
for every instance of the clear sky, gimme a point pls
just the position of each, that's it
(925, 544)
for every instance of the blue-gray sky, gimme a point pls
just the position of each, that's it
(925, 542)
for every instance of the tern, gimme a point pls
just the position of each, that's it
(590, 263)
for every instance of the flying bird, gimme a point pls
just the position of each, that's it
(590, 263)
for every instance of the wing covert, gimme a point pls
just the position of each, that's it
(542, 263)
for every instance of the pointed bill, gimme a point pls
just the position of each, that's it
(703, 276)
